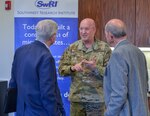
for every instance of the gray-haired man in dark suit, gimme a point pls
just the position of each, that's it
(34, 75)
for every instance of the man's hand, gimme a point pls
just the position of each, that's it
(89, 64)
(77, 67)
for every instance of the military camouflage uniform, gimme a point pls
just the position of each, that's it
(86, 86)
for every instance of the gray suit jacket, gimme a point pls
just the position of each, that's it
(126, 82)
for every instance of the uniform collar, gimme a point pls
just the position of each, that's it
(93, 47)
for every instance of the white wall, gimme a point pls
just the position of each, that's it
(6, 40)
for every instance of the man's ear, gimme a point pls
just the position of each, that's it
(53, 35)
(53, 38)
(111, 36)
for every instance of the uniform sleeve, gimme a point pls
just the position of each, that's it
(65, 64)
(118, 83)
(100, 69)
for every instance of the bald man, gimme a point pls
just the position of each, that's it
(85, 61)
(126, 77)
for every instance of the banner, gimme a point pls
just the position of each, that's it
(65, 12)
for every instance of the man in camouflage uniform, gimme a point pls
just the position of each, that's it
(85, 61)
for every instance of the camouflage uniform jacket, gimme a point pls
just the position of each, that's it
(86, 86)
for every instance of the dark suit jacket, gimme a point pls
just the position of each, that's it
(34, 76)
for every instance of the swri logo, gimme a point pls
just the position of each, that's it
(45, 4)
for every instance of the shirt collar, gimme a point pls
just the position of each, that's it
(119, 42)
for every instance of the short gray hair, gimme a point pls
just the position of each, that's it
(45, 29)
(116, 27)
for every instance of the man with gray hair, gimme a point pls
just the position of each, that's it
(126, 76)
(34, 75)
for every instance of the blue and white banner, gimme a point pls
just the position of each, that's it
(65, 12)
